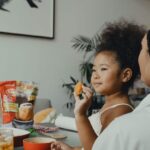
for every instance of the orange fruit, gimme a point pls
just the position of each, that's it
(78, 88)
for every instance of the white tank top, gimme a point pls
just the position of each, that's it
(95, 119)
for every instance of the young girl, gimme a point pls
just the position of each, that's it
(136, 135)
(115, 68)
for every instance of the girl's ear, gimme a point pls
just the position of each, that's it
(126, 75)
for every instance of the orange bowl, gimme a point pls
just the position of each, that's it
(37, 143)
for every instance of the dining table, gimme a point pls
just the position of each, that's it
(71, 137)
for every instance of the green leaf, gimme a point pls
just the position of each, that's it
(73, 79)
(82, 43)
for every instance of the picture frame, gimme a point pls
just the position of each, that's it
(33, 18)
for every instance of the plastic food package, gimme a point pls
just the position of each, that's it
(17, 100)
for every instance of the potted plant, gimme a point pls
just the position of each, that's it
(87, 46)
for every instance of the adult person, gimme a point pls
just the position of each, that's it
(131, 131)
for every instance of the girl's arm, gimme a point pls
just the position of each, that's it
(85, 130)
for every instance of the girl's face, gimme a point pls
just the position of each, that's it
(144, 62)
(106, 75)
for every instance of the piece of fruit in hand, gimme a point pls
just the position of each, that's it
(78, 88)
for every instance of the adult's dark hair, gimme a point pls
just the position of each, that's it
(124, 39)
(148, 40)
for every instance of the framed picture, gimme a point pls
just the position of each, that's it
(27, 17)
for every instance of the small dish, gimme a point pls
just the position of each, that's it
(54, 135)
(22, 124)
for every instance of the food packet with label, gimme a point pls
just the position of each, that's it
(17, 100)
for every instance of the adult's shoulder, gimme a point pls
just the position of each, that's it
(118, 130)
(128, 120)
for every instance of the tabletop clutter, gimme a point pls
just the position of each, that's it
(17, 111)
(17, 104)
(17, 100)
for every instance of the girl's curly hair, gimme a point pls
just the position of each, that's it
(124, 39)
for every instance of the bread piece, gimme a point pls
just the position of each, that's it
(25, 112)
(45, 115)
(78, 88)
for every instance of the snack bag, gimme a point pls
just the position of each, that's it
(17, 100)
(8, 100)
(26, 93)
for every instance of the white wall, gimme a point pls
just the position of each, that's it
(51, 62)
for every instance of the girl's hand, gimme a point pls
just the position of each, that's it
(82, 105)
(60, 146)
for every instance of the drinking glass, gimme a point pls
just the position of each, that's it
(1, 119)
(6, 139)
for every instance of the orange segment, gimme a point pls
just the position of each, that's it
(78, 88)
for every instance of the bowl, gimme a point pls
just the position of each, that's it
(37, 143)
(22, 124)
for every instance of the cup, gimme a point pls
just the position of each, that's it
(6, 139)
(37, 143)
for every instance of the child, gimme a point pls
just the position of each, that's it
(136, 135)
(115, 68)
